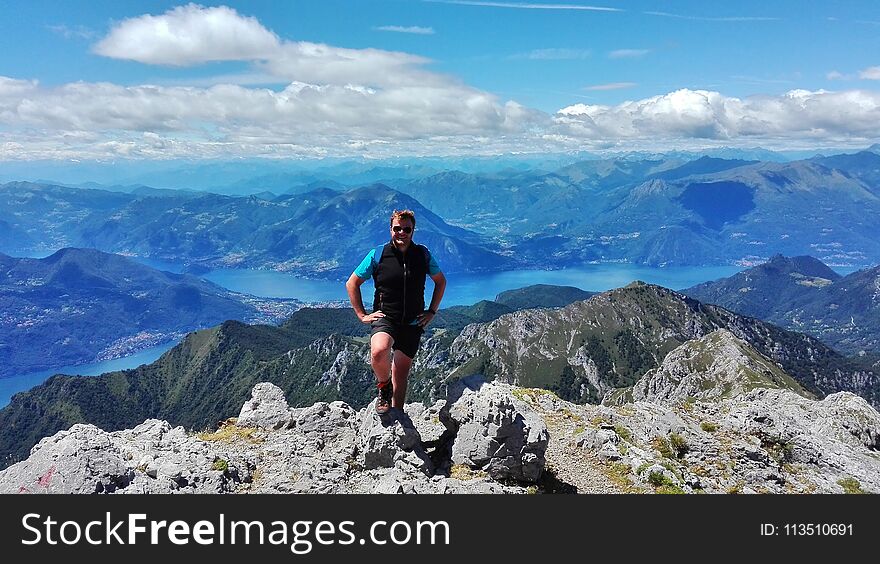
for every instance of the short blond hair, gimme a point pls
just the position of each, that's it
(403, 214)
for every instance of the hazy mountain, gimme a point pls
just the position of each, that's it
(50, 216)
(803, 294)
(703, 165)
(743, 213)
(611, 173)
(82, 305)
(864, 165)
(659, 211)
(323, 232)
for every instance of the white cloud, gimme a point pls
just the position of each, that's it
(189, 35)
(798, 114)
(89, 120)
(410, 29)
(193, 34)
(336, 101)
(870, 73)
(628, 53)
(611, 86)
(256, 120)
(556, 54)
(837, 75)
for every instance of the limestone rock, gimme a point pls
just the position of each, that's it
(494, 431)
(267, 408)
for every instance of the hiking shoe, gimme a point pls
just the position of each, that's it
(385, 391)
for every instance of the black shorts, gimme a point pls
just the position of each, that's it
(406, 337)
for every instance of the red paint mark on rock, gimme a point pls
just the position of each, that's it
(44, 480)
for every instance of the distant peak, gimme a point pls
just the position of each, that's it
(804, 264)
(71, 252)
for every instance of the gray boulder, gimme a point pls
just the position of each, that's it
(267, 408)
(494, 431)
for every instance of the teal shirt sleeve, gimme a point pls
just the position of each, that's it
(433, 267)
(365, 269)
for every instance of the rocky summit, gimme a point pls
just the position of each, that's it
(762, 435)
(482, 439)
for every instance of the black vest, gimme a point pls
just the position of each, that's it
(400, 282)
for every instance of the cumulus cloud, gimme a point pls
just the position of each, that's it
(189, 35)
(870, 73)
(99, 120)
(258, 119)
(799, 114)
(407, 29)
(192, 34)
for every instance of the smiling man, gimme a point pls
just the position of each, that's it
(399, 269)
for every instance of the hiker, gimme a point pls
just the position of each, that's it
(399, 317)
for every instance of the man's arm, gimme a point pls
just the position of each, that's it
(436, 298)
(353, 287)
(439, 289)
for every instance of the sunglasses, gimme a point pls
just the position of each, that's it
(398, 229)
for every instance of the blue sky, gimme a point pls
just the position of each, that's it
(159, 80)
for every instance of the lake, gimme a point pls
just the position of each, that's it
(466, 289)
(14, 384)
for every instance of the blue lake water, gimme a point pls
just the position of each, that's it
(14, 384)
(466, 289)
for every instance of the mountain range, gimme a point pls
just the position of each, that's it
(657, 210)
(82, 305)
(323, 232)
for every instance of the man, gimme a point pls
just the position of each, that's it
(399, 269)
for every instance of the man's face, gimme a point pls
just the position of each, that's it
(401, 231)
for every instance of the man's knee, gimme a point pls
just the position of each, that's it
(379, 355)
(380, 350)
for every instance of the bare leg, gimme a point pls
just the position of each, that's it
(380, 355)
(399, 373)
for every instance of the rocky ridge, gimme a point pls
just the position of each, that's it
(492, 438)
